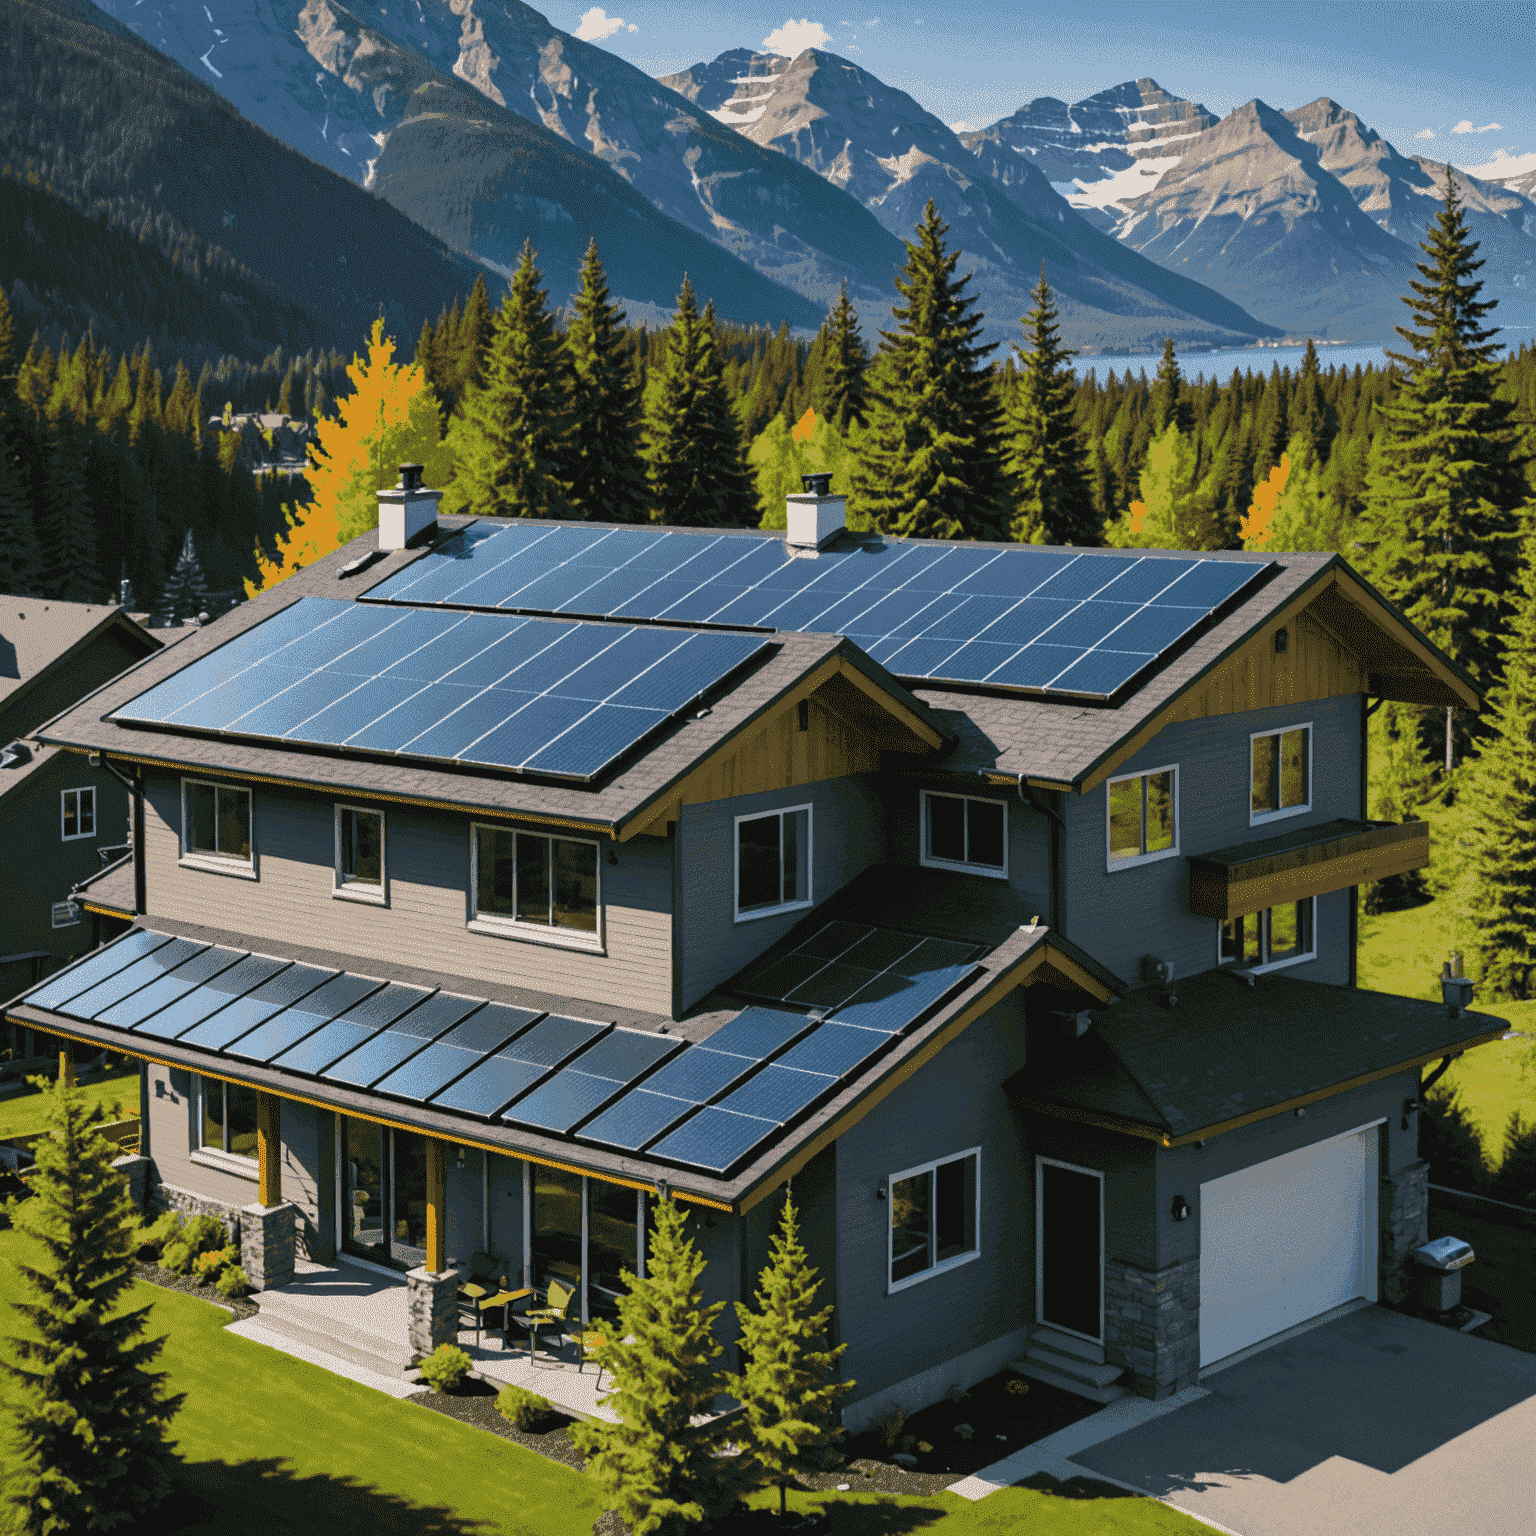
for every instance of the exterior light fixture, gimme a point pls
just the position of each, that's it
(1282, 641)
(880, 1190)
(1180, 1208)
(1301, 1113)
(1409, 1106)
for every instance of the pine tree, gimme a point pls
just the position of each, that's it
(1043, 458)
(1312, 416)
(186, 593)
(66, 521)
(607, 473)
(1165, 516)
(1170, 402)
(90, 1417)
(511, 442)
(932, 465)
(651, 1470)
(20, 568)
(698, 466)
(843, 360)
(786, 1389)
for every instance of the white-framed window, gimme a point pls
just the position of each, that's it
(216, 828)
(935, 1219)
(533, 886)
(1141, 821)
(1280, 776)
(1264, 941)
(773, 862)
(360, 871)
(77, 813)
(224, 1115)
(965, 832)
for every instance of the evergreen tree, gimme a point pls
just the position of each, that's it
(1170, 405)
(186, 593)
(511, 444)
(20, 568)
(786, 1389)
(652, 1472)
(607, 473)
(1313, 417)
(1043, 457)
(698, 469)
(1164, 518)
(89, 1449)
(844, 359)
(932, 465)
(66, 520)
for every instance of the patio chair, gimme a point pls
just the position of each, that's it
(486, 1290)
(552, 1314)
(588, 1342)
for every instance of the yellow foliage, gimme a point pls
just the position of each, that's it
(802, 429)
(1138, 515)
(313, 532)
(1266, 497)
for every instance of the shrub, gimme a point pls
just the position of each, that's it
(888, 1425)
(445, 1368)
(209, 1266)
(150, 1237)
(177, 1257)
(523, 1409)
(204, 1233)
(233, 1282)
(1515, 1181)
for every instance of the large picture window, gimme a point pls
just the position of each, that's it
(226, 1118)
(216, 825)
(545, 887)
(1143, 817)
(935, 1218)
(77, 813)
(359, 853)
(1276, 936)
(1281, 773)
(965, 832)
(773, 862)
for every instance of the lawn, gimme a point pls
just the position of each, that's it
(272, 1446)
(26, 1112)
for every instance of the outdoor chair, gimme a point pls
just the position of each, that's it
(486, 1290)
(552, 1314)
(588, 1342)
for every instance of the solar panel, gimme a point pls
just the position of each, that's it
(455, 1053)
(891, 1002)
(490, 1087)
(81, 977)
(541, 695)
(128, 980)
(640, 1116)
(399, 1041)
(202, 1002)
(778, 1093)
(589, 1080)
(220, 1030)
(275, 1035)
(556, 1040)
(933, 598)
(714, 1139)
(160, 994)
(758, 1032)
(834, 1049)
(358, 1024)
(699, 1074)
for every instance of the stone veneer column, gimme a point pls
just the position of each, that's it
(266, 1244)
(1403, 1224)
(135, 1171)
(432, 1303)
(1152, 1325)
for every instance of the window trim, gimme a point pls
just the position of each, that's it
(943, 1268)
(216, 1157)
(64, 794)
(1041, 1161)
(1268, 965)
(929, 862)
(1112, 864)
(1261, 818)
(498, 925)
(219, 863)
(810, 862)
(360, 890)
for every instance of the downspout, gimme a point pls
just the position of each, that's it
(1434, 1077)
(135, 787)
(1058, 828)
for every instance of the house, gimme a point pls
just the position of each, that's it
(497, 877)
(60, 817)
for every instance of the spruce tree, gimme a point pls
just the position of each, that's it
(932, 466)
(1170, 402)
(652, 1472)
(1043, 455)
(19, 564)
(607, 473)
(844, 358)
(787, 1388)
(511, 444)
(698, 464)
(66, 521)
(186, 593)
(1312, 416)
(89, 1417)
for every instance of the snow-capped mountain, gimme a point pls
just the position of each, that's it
(882, 148)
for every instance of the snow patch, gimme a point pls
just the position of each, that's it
(204, 60)
(734, 119)
(1131, 182)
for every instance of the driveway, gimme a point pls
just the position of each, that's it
(1374, 1425)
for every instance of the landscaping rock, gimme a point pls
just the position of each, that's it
(904, 1459)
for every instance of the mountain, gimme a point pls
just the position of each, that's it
(878, 145)
(489, 124)
(139, 202)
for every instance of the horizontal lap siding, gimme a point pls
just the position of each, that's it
(506, 1212)
(427, 865)
(306, 1162)
(171, 1139)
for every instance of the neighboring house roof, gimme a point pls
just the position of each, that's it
(37, 633)
(20, 761)
(110, 893)
(1235, 1049)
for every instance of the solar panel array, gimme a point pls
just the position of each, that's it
(1029, 618)
(490, 690)
(705, 1106)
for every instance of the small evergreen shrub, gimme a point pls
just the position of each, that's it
(177, 1257)
(445, 1368)
(205, 1233)
(233, 1283)
(151, 1237)
(888, 1425)
(523, 1409)
(209, 1266)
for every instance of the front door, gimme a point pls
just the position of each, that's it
(384, 1194)
(1069, 1236)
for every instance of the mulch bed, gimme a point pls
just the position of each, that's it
(475, 1403)
(189, 1285)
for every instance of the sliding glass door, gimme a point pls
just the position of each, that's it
(383, 1194)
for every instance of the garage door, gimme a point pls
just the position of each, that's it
(1285, 1240)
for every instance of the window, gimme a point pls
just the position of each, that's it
(773, 862)
(77, 814)
(359, 853)
(1274, 937)
(215, 825)
(935, 1218)
(1143, 817)
(546, 886)
(1281, 774)
(961, 832)
(226, 1118)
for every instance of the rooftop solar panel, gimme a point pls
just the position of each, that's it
(148, 968)
(160, 994)
(714, 1139)
(275, 1035)
(892, 1002)
(834, 1049)
(758, 1032)
(778, 1093)
(58, 990)
(358, 1024)
(464, 1046)
(220, 1030)
(699, 1074)
(563, 1101)
(488, 1088)
(639, 1117)
(399, 1041)
(202, 1002)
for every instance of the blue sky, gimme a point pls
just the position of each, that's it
(1450, 80)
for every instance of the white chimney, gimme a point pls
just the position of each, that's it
(817, 517)
(406, 511)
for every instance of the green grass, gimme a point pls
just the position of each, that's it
(271, 1446)
(26, 1113)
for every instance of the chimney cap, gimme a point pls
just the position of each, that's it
(410, 477)
(817, 485)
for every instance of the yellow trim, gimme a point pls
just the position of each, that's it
(105, 911)
(1094, 1118)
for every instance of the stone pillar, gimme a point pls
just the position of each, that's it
(432, 1306)
(1403, 1224)
(135, 1170)
(1152, 1325)
(266, 1244)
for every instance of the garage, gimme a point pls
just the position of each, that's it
(1285, 1240)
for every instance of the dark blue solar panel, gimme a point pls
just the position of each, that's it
(714, 1139)
(186, 1012)
(626, 1053)
(778, 1093)
(968, 618)
(633, 655)
(1091, 623)
(1084, 577)
(1210, 584)
(275, 1035)
(214, 710)
(1154, 629)
(758, 1032)
(977, 661)
(58, 990)
(448, 648)
(640, 1116)
(128, 980)
(881, 949)
(357, 1025)
(1101, 672)
(244, 1014)
(417, 713)
(835, 939)
(833, 1049)
(595, 741)
(1143, 582)
(401, 1040)
(463, 1047)
(831, 985)
(891, 1002)
(469, 720)
(280, 714)
(934, 955)
(781, 978)
(699, 1074)
(1035, 666)
(685, 674)
(566, 1099)
(1026, 621)
(490, 664)
(525, 733)
(162, 993)
(1016, 572)
(341, 638)
(924, 658)
(488, 1088)
(556, 1040)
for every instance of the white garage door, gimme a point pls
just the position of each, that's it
(1285, 1240)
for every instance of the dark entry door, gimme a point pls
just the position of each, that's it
(1070, 1234)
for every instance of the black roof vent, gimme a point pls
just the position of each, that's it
(410, 477)
(816, 485)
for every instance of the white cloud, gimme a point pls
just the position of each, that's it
(1465, 126)
(1503, 164)
(1425, 133)
(796, 36)
(596, 25)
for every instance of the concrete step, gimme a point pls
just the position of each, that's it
(1070, 1365)
(1037, 1372)
(1067, 1344)
(386, 1356)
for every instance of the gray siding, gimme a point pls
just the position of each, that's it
(427, 867)
(463, 1189)
(309, 1176)
(506, 1212)
(847, 836)
(172, 1135)
(1118, 917)
(1128, 1164)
